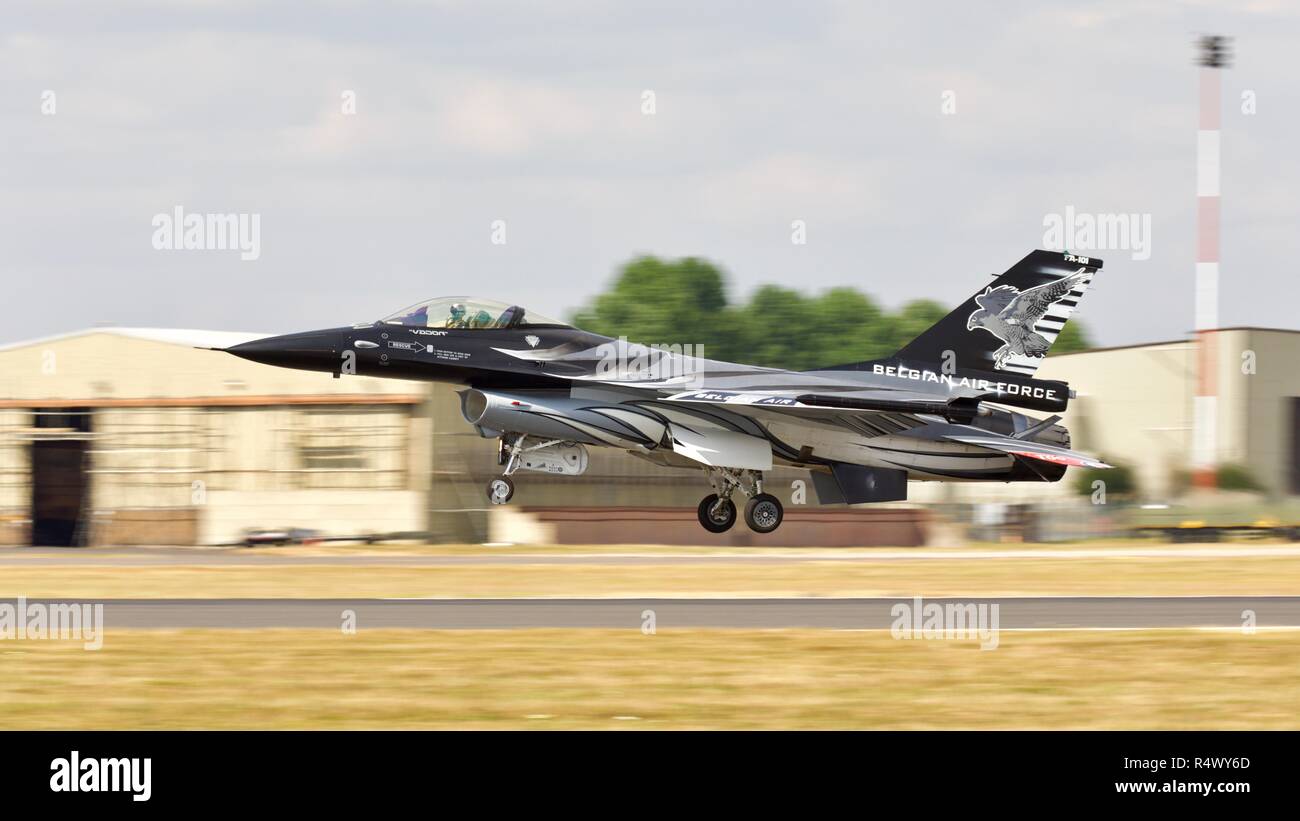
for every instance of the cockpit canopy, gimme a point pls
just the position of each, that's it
(469, 313)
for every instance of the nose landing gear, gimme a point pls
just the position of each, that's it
(717, 513)
(500, 490)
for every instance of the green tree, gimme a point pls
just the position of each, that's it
(1231, 476)
(661, 302)
(850, 327)
(1120, 481)
(1073, 337)
(778, 328)
(684, 302)
(912, 320)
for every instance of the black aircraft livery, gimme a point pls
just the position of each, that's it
(939, 409)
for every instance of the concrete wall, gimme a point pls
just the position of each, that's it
(145, 526)
(15, 477)
(1134, 407)
(805, 527)
(1266, 419)
(332, 512)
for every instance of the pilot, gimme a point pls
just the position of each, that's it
(460, 317)
(456, 317)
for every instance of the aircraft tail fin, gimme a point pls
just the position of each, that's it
(1010, 324)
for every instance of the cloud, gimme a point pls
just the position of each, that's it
(468, 113)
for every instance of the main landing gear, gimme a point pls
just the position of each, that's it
(717, 513)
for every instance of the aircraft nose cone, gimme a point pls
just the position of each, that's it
(314, 350)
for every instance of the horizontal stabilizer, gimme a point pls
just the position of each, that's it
(1032, 450)
(1037, 428)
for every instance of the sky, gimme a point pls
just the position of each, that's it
(386, 150)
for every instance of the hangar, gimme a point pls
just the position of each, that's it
(1135, 403)
(1134, 407)
(135, 436)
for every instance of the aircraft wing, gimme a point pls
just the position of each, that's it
(752, 392)
(724, 427)
(833, 408)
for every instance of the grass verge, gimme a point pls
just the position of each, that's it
(1181, 679)
(1120, 576)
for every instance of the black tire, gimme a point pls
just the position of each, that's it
(726, 514)
(496, 495)
(764, 513)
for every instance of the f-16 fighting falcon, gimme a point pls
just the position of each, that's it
(546, 391)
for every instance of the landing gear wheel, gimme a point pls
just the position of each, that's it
(500, 490)
(719, 520)
(764, 513)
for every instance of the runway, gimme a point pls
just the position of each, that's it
(667, 613)
(168, 557)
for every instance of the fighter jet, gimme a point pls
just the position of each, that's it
(941, 409)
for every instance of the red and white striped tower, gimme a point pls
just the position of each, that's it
(1213, 56)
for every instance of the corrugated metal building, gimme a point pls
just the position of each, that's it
(1134, 408)
(125, 436)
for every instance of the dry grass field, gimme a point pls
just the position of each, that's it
(676, 679)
